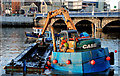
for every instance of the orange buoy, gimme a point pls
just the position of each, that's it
(68, 62)
(107, 58)
(92, 62)
(46, 67)
(55, 61)
(115, 51)
(48, 63)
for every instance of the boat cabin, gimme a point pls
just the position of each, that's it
(70, 39)
(37, 30)
(69, 34)
(47, 36)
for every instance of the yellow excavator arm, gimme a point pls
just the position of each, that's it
(61, 11)
(67, 19)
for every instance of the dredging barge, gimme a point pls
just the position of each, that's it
(82, 54)
(31, 60)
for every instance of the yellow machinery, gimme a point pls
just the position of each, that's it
(67, 20)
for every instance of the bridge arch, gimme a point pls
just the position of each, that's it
(54, 20)
(84, 25)
(106, 21)
(93, 20)
(113, 26)
(58, 24)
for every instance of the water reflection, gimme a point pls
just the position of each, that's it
(52, 72)
(14, 42)
(111, 35)
(109, 72)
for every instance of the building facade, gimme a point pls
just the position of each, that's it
(16, 5)
(106, 6)
(28, 3)
(89, 3)
(101, 5)
(73, 5)
(119, 6)
(79, 5)
(0, 7)
(47, 5)
(7, 5)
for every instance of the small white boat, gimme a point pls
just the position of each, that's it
(36, 34)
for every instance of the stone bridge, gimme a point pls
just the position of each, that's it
(100, 20)
(106, 21)
(100, 23)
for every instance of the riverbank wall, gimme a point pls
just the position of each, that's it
(16, 21)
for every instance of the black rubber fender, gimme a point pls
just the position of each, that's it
(111, 72)
(111, 58)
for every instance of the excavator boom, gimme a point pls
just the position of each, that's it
(66, 18)
(61, 11)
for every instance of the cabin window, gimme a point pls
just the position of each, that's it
(73, 34)
(34, 30)
(64, 35)
(43, 3)
(38, 30)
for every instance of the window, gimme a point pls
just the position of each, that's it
(73, 34)
(84, 4)
(70, 3)
(33, 9)
(38, 30)
(43, 3)
(64, 34)
(90, 4)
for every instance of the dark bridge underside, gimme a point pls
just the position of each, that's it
(59, 25)
(82, 26)
(112, 26)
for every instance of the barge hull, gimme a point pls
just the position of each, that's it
(10, 69)
(80, 61)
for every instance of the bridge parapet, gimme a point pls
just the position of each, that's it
(86, 14)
